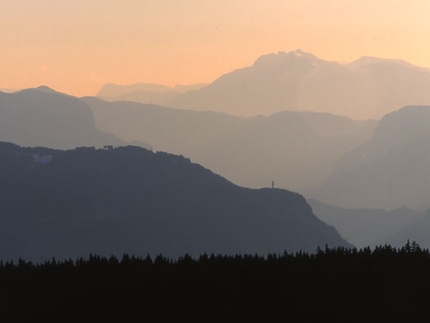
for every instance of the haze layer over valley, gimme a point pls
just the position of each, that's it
(295, 149)
(389, 171)
(374, 227)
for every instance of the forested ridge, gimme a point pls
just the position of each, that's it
(341, 285)
(131, 200)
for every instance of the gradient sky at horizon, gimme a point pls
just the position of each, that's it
(76, 46)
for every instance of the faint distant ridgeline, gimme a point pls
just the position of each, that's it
(367, 88)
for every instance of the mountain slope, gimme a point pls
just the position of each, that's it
(391, 170)
(128, 199)
(295, 149)
(43, 117)
(297, 81)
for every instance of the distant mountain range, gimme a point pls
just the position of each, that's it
(297, 150)
(389, 171)
(128, 199)
(367, 88)
(44, 117)
(374, 227)
(144, 92)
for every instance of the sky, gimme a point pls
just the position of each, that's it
(76, 46)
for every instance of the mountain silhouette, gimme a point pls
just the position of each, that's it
(367, 88)
(44, 117)
(295, 149)
(390, 170)
(129, 199)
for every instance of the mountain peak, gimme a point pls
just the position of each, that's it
(40, 89)
(46, 89)
(274, 60)
(300, 53)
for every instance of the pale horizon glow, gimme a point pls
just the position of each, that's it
(77, 46)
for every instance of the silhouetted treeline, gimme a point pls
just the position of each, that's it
(340, 285)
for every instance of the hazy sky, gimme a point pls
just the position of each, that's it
(76, 46)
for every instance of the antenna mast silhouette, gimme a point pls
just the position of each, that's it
(273, 184)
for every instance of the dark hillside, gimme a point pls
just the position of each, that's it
(128, 199)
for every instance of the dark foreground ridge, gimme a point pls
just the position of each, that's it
(337, 285)
(131, 200)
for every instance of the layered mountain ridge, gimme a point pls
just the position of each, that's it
(367, 88)
(390, 170)
(44, 117)
(250, 151)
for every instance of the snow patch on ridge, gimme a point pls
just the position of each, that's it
(42, 159)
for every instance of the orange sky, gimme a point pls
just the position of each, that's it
(76, 46)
